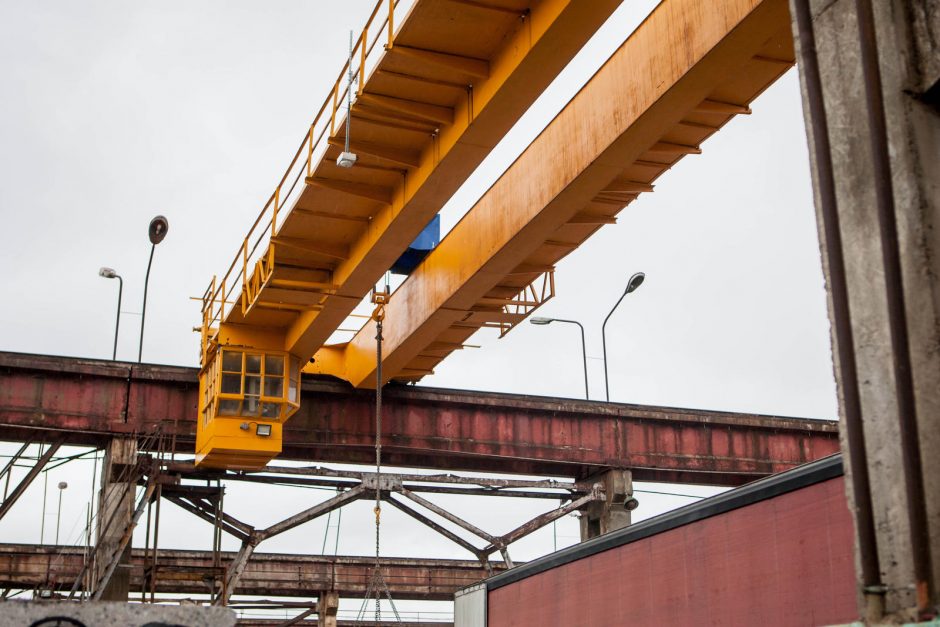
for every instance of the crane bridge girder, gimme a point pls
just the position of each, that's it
(682, 75)
(452, 80)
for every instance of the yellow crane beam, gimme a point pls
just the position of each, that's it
(685, 72)
(452, 80)
(497, 89)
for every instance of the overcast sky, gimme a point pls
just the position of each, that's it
(113, 112)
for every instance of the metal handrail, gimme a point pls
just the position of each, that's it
(220, 293)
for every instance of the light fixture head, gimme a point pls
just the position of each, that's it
(157, 230)
(635, 281)
(263, 430)
(63, 485)
(346, 159)
(541, 321)
(631, 504)
(107, 273)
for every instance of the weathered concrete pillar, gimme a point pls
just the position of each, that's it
(116, 505)
(614, 512)
(884, 204)
(327, 606)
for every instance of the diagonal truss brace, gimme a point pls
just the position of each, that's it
(237, 566)
(543, 520)
(205, 510)
(443, 513)
(444, 531)
(30, 476)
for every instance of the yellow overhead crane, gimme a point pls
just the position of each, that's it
(682, 75)
(437, 87)
(687, 70)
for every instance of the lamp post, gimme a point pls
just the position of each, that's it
(544, 321)
(156, 231)
(62, 486)
(109, 273)
(635, 281)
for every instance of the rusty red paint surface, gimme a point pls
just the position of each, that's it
(784, 561)
(33, 566)
(92, 401)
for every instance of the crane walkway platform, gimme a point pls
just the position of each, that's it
(430, 99)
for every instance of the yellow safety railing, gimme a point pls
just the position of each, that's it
(221, 295)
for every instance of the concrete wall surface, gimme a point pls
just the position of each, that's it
(45, 614)
(898, 368)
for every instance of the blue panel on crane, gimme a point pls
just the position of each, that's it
(426, 241)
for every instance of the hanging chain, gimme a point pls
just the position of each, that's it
(379, 316)
(378, 418)
(377, 584)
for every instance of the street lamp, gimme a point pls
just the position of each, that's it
(544, 321)
(635, 281)
(109, 273)
(156, 231)
(58, 520)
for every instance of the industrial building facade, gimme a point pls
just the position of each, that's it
(778, 551)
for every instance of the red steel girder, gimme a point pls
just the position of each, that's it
(91, 401)
(34, 566)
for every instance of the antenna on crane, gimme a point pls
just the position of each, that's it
(347, 158)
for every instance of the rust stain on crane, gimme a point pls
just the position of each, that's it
(682, 75)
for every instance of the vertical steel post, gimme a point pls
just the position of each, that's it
(58, 515)
(635, 281)
(143, 312)
(604, 346)
(45, 491)
(117, 323)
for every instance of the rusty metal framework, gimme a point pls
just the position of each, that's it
(184, 573)
(91, 402)
(75, 573)
(150, 408)
(402, 492)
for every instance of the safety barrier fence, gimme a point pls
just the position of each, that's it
(254, 260)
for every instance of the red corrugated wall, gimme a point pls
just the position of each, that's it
(785, 561)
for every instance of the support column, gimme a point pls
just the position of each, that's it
(613, 513)
(327, 607)
(870, 71)
(115, 512)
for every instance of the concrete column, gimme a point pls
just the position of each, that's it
(613, 513)
(908, 59)
(116, 504)
(327, 606)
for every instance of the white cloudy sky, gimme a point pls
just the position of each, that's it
(113, 112)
